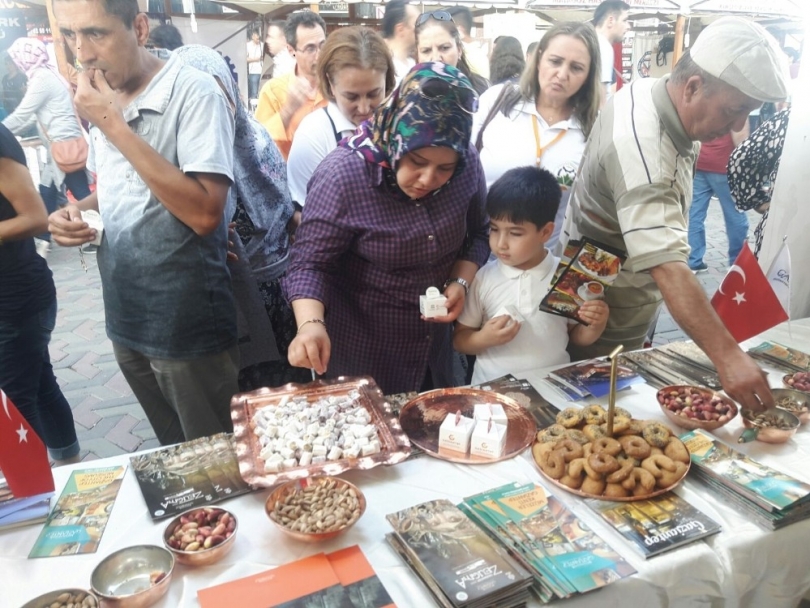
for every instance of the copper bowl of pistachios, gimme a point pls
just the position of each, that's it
(315, 509)
(62, 598)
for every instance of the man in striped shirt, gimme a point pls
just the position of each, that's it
(635, 185)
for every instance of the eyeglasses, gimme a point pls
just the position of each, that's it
(437, 15)
(437, 90)
(311, 49)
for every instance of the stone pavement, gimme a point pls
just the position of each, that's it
(109, 420)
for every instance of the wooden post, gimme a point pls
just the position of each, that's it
(680, 26)
(315, 8)
(58, 44)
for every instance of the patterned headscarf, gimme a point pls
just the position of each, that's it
(408, 120)
(260, 174)
(29, 54)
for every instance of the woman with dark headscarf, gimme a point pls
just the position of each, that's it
(259, 203)
(396, 208)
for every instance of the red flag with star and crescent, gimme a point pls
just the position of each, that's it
(745, 301)
(23, 457)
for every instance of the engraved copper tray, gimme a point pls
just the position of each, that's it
(394, 444)
(421, 418)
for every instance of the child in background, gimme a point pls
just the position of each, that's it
(501, 322)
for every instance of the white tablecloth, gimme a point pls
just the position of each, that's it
(742, 566)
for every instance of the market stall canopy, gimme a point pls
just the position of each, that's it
(268, 6)
(754, 8)
(582, 10)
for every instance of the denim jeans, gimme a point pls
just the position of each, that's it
(27, 378)
(705, 184)
(253, 85)
(76, 182)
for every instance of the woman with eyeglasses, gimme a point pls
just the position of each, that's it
(546, 118)
(355, 73)
(438, 39)
(396, 208)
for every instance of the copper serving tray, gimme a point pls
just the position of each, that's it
(421, 418)
(652, 494)
(394, 444)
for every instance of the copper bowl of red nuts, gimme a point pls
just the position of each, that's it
(201, 536)
(695, 407)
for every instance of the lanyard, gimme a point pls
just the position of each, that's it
(540, 148)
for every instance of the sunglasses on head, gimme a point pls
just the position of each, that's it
(438, 90)
(437, 15)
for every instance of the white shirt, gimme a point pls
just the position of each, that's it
(606, 55)
(283, 63)
(314, 139)
(542, 338)
(509, 142)
(255, 50)
(401, 68)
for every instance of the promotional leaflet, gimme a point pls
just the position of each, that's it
(80, 516)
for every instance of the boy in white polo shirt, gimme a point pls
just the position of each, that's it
(521, 206)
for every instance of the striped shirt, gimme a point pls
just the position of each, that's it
(368, 254)
(633, 192)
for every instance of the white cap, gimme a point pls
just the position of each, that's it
(745, 56)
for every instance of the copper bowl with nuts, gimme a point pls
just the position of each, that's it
(315, 509)
(62, 598)
(695, 407)
(133, 577)
(796, 402)
(201, 536)
(773, 425)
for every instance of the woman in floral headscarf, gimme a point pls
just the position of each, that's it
(47, 103)
(394, 209)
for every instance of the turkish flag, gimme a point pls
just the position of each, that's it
(23, 457)
(745, 301)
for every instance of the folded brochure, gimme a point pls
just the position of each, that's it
(586, 270)
(81, 513)
(343, 579)
(591, 378)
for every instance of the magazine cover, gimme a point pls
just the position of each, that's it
(656, 525)
(361, 583)
(767, 487)
(188, 475)
(465, 563)
(81, 513)
(584, 276)
(521, 391)
(592, 377)
(306, 583)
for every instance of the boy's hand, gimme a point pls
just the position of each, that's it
(594, 313)
(499, 330)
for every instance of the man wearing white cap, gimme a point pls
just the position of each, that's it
(635, 185)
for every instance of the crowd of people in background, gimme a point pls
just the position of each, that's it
(249, 241)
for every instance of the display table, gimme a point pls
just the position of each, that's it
(742, 566)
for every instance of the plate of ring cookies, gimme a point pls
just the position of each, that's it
(641, 460)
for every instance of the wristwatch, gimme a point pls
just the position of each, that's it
(460, 281)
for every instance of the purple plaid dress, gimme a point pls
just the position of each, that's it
(368, 254)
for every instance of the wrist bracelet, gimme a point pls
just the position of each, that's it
(321, 321)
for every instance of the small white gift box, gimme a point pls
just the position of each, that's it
(433, 303)
(490, 411)
(455, 432)
(488, 439)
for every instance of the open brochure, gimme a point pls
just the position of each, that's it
(591, 378)
(586, 270)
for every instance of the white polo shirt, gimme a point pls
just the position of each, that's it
(509, 142)
(314, 139)
(542, 338)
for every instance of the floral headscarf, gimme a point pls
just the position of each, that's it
(260, 174)
(410, 119)
(29, 54)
